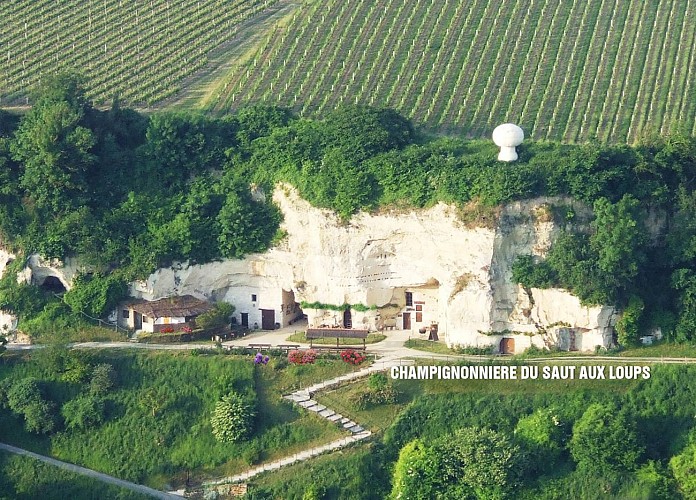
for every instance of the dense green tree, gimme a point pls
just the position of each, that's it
(55, 147)
(531, 274)
(246, 226)
(416, 473)
(684, 282)
(628, 326)
(360, 132)
(96, 295)
(260, 121)
(604, 441)
(483, 461)
(542, 435)
(25, 398)
(683, 467)
(232, 418)
(618, 239)
(471, 463)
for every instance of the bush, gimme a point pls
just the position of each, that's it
(352, 357)
(25, 398)
(297, 357)
(84, 412)
(232, 418)
(473, 350)
(103, 379)
(384, 394)
(217, 317)
(604, 441)
(96, 295)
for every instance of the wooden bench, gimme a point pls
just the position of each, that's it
(338, 349)
(288, 347)
(259, 346)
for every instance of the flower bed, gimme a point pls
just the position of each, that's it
(307, 357)
(352, 357)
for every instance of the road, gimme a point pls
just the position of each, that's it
(392, 347)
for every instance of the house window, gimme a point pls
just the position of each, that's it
(146, 319)
(419, 307)
(253, 297)
(419, 317)
(126, 314)
(409, 298)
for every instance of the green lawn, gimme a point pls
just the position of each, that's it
(429, 346)
(372, 338)
(662, 350)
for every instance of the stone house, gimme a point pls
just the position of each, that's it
(171, 313)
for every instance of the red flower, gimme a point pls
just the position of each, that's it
(352, 357)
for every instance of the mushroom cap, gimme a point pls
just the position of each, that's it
(508, 135)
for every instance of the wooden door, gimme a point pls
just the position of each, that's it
(347, 319)
(507, 346)
(267, 319)
(138, 321)
(245, 320)
(407, 321)
(572, 341)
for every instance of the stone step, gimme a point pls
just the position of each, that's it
(317, 408)
(335, 417)
(308, 403)
(344, 420)
(355, 429)
(298, 398)
(349, 424)
(327, 413)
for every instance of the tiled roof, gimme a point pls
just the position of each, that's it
(171, 307)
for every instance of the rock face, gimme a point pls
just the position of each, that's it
(422, 271)
(411, 270)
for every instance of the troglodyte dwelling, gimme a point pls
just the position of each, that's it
(157, 315)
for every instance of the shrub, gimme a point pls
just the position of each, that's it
(377, 381)
(24, 398)
(605, 441)
(103, 379)
(83, 412)
(217, 317)
(352, 357)
(307, 357)
(385, 394)
(474, 351)
(232, 418)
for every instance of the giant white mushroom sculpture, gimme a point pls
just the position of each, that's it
(507, 136)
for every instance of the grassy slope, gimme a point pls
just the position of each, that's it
(134, 445)
(24, 478)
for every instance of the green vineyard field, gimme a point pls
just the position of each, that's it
(568, 70)
(139, 50)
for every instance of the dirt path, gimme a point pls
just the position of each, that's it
(138, 488)
(198, 90)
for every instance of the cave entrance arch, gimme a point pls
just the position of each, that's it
(53, 285)
(347, 319)
(507, 346)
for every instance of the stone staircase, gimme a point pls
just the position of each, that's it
(303, 398)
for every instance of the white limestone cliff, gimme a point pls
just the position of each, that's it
(457, 277)
(462, 274)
